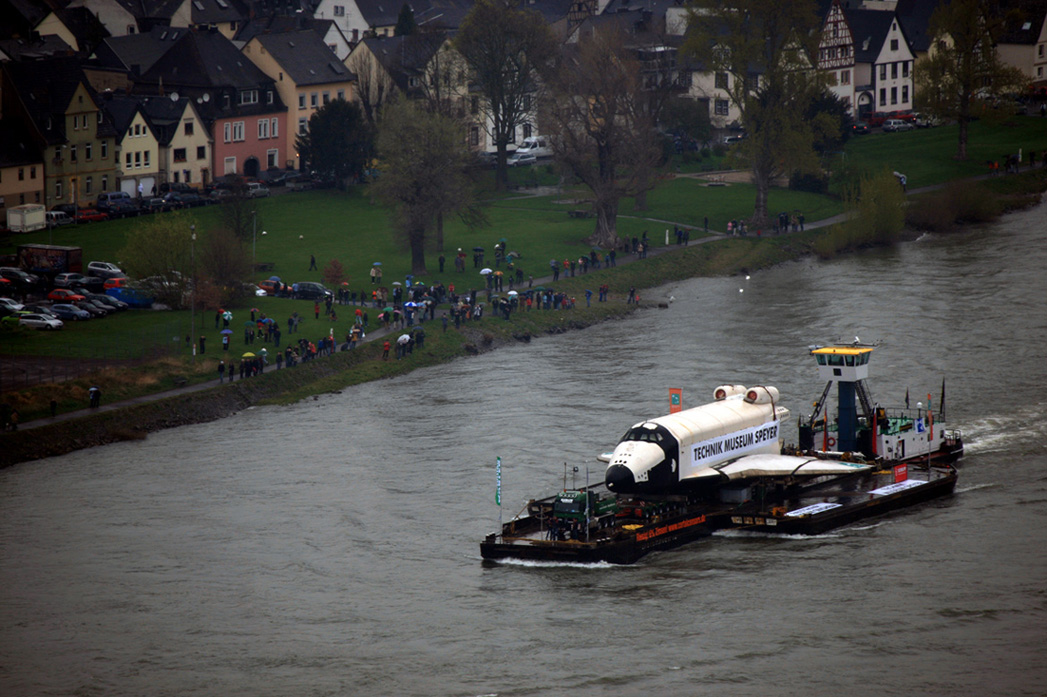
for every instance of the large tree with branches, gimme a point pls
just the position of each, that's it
(765, 48)
(603, 132)
(505, 46)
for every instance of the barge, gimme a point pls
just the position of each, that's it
(680, 477)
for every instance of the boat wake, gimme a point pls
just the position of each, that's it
(975, 487)
(761, 535)
(534, 564)
(993, 434)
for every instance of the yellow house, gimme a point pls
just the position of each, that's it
(21, 168)
(307, 73)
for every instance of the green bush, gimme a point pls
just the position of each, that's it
(959, 202)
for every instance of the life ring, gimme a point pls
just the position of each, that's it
(831, 441)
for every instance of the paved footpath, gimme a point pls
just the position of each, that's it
(382, 332)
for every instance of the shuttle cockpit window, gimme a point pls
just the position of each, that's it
(643, 434)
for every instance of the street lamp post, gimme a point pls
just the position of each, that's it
(254, 239)
(192, 290)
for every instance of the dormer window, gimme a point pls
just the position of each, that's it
(269, 97)
(249, 97)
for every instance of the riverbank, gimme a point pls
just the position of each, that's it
(208, 400)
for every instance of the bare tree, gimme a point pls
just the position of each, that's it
(603, 132)
(505, 45)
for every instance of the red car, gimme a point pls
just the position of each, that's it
(64, 295)
(118, 282)
(270, 287)
(90, 215)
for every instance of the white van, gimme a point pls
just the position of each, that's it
(56, 218)
(535, 145)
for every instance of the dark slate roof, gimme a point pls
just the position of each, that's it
(154, 10)
(205, 59)
(20, 17)
(45, 88)
(50, 45)
(655, 7)
(143, 50)
(217, 11)
(869, 29)
(915, 18)
(279, 24)
(1023, 22)
(305, 57)
(384, 13)
(404, 56)
(165, 116)
(121, 110)
(551, 10)
(443, 14)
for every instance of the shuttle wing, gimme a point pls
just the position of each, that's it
(766, 465)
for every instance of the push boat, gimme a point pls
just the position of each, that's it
(678, 478)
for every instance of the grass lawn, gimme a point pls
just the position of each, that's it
(927, 156)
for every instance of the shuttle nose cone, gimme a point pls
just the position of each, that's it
(619, 478)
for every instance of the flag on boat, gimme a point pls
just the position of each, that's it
(906, 397)
(498, 474)
(941, 402)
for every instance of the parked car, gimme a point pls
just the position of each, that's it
(271, 287)
(77, 280)
(521, 159)
(58, 218)
(876, 118)
(116, 204)
(118, 282)
(257, 190)
(39, 321)
(103, 269)
(176, 187)
(90, 215)
(189, 200)
(95, 309)
(11, 305)
(276, 176)
(134, 297)
(40, 309)
(859, 128)
(734, 138)
(64, 295)
(892, 125)
(70, 312)
(926, 121)
(107, 301)
(22, 280)
(308, 290)
(153, 205)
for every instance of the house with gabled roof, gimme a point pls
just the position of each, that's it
(384, 65)
(868, 60)
(184, 141)
(30, 19)
(138, 166)
(326, 29)
(358, 19)
(246, 115)
(21, 166)
(1024, 42)
(55, 103)
(307, 74)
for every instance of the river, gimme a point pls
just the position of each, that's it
(331, 547)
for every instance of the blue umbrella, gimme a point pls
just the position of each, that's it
(275, 278)
(377, 263)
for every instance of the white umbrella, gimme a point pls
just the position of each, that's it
(484, 272)
(404, 338)
(397, 283)
(513, 292)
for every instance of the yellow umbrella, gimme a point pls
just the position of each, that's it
(248, 355)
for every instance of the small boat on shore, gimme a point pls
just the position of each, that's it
(680, 477)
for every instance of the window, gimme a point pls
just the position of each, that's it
(883, 97)
(88, 147)
(527, 130)
(894, 95)
(72, 153)
(227, 132)
(268, 96)
(127, 160)
(883, 71)
(274, 126)
(270, 158)
(314, 100)
(905, 69)
(905, 93)
(474, 105)
(179, 154)
(32, 172)
(105, 182)
(341, 94)
(105, 149)
(327, 98)
(230, 165)
(722, 107)
(845, 77)
(474, 136)
(894, 71)
(238, 131)
(894, 44)
(58, 188)
(303, 126)
(188, 128)
(201, 152)
(263, 129)
(88, 184)
(138, 159)
(21, 174)
(249, 97)
(339, 10)
(301, 101)
(99, 117)
(721, 81)
(146, 157)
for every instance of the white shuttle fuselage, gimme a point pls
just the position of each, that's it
(661, 455)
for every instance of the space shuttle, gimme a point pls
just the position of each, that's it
(738, 436)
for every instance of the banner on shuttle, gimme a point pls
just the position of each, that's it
(734, 444)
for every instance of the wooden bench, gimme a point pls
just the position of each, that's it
(265, 266)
